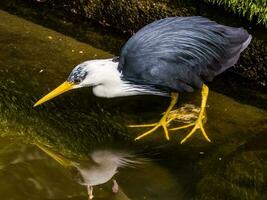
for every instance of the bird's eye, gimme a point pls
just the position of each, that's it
(77, 76)
(76, 81)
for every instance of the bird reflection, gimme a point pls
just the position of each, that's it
(100, 167)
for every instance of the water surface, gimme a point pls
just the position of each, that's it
(35, 59)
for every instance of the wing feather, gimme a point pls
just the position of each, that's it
(180, 53)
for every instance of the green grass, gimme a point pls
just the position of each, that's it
(251, 9)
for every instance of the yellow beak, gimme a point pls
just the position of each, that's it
(64, 87)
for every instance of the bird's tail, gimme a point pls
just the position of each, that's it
(239, 39)
(246, 43)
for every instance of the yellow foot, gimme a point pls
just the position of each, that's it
(162, 123)
(198, 124)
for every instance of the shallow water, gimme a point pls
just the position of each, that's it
(35, 59)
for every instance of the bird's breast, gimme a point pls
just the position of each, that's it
(114, 90)
(105, 91)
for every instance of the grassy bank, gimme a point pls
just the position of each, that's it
(132, 14)
(127, 16)
(250, 9)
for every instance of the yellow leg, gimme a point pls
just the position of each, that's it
(198, 123)
(163, 121)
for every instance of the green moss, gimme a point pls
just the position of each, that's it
(250, 9)
(132, 14)
(126, 15)
(34, 59)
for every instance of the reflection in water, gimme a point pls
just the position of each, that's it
(98, 169)
(26, 172)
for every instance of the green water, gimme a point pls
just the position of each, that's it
(35, 59)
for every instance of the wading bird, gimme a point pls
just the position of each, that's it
(167, 57)
(101, 167)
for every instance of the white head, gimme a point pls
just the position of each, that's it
(101, 73)
(93, 73)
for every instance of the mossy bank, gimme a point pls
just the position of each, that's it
(128, 16)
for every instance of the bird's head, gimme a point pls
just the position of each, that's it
(86, 74)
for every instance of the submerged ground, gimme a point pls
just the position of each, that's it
(34, 60)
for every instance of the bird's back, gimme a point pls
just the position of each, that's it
(180, 53)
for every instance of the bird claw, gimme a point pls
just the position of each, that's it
(142, 125)
(162, 123)
(171, 115)
(197, 125)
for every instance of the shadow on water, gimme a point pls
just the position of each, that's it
(35, 59)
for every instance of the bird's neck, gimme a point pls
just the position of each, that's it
(115, 88)
(112, 84)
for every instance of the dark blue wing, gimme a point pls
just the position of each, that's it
(180, 53)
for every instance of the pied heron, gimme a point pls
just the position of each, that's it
(167, 57)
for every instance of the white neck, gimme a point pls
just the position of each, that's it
(111, 84)
(106, 80)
